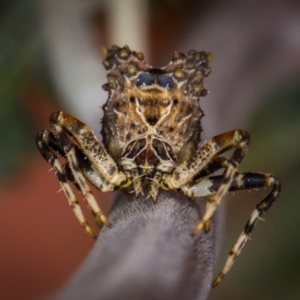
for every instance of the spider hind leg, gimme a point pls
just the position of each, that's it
(249, 181)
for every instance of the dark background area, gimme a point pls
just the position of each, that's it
(255, 86)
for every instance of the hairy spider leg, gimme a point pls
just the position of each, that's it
(183, 175)
(218, 163)
(90, 146)
(77, 170)
(239, 140)
(42, 142)
(249, 181)
(70, 154)
(90, 174)
(207, 159)
(208, 186)
(136, 182)
(155, 186)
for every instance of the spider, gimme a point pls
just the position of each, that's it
(151, 134)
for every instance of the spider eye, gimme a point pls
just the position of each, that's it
(145, 79)
(165, 81)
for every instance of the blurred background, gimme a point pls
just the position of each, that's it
(50, 60)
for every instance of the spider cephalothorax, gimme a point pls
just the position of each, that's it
(152, 119)
(151, 133)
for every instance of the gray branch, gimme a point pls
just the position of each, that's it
(149, 253)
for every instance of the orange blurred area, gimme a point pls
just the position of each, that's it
(41, 241)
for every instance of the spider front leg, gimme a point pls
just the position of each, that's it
(90, 146)
(208, 153)
(85, 160)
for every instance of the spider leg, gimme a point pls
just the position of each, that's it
(210, 150)
(249, 181)
(91, 148)
(71, 156)
(155, 186)
(240, 141)
(208, 153)
(90, 173)
(91, 177)
(218, 163)
(42, 141)
(136, 182)
(208, 186)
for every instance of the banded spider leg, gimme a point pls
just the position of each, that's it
(195, 174)
(183, 176)
(85, 160)
(247, 181)
(209, 185)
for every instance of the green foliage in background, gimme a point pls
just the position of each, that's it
(20, 54)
